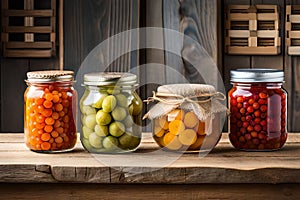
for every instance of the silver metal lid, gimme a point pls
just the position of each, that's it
(50, 76)
(110, 78)
(257, 75)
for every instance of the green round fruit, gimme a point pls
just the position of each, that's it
(95, 140)
(112, 90)
(122, 100)
(137, 106)
(116, 129)
(101, 130)
(98, 103)
(86, 132)
(109, 103)
(128, 122)
(119, 113)
(128, 141)
(88, 110)
(103, 118)
(90, 121)
(110, 143)
(86, 144)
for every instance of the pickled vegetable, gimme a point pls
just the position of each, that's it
(50, 120)
(111, 120)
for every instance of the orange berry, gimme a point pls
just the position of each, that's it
(40, 119)
(57, 124)
(55, 98)
(48, 128)
(40, 125)
(58, 107)
(55, 115)
(64, 95)
(47, 112)
(47, 104)
(60, 130)
(61, 113)
(48, 96)
(66, 119)
(65, 103)
(55, 92)
(49, 121)
(45, 146)
(59, 140)
(45, 137)
(54, 134)
(39, 101)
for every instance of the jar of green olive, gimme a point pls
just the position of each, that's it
(110, 113)
(258, 109)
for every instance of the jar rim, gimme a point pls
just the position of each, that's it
(257, 75)
(110, 78)
(50, 76)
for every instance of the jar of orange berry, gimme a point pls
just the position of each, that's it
(187, 117)
(50, 104)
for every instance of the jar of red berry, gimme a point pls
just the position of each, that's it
(258, 109)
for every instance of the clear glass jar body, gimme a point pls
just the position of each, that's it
(111, 119)
(50, 116)
(258, 116)
(181, 130)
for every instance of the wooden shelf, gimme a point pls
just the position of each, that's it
(252, 30)
(225, 169)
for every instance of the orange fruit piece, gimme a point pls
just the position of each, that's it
(163, 122)
(176, 114)
(200, 129)
(176, 127)
(190, 120)
(197, 145)
(187, 137)
(171, 142)
(158, 131)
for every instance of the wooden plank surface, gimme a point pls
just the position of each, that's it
(148, 165)
(149, 191)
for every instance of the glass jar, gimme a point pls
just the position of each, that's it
(110, 113)
(50, 103)
(188, 117)
(258, 109)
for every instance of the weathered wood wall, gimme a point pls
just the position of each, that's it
(87, 23)
(12, 86)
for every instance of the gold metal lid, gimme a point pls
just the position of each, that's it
(50, 76)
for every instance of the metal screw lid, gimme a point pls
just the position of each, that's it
(110, 78)
(257, 75)
(50, 76)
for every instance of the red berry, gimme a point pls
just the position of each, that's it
(251, 101)
(250, 109)
(257, 113)
(263, 108)
(262, 95)
(257, 128)
(255, 105)
(239, 99)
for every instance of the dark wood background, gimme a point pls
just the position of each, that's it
(89, 22)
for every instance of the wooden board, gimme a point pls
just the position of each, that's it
(150, 191)
(224, 165)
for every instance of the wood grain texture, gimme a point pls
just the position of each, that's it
(149, 191)
(223, 165)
